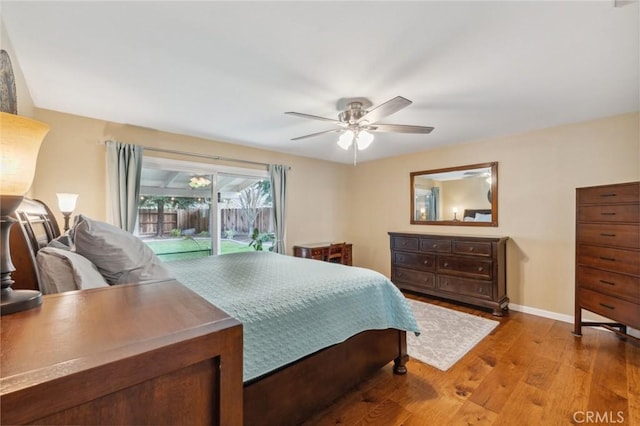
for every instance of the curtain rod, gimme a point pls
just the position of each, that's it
(210, 157)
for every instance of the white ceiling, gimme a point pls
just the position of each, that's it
(228, 71)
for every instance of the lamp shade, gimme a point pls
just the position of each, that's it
(20, 140)
(345, 139)
(364, 139)
(67, 202)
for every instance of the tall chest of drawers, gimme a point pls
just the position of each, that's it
(461, 268)
(608, 255)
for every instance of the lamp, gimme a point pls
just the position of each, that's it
(455, 213)
(66, 204)
(361, 138)
(20, 140)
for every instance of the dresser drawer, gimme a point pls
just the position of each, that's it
(617, 309)
(612, 194)
(610, 259)
(413, 278)
(610, 213)
(465, 286)
(474, 268)
(616, 285)
(405, 243)
(623, 236)
(435, 245)
(420, 261)
(472, 248)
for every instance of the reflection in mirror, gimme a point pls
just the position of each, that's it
(465, 195)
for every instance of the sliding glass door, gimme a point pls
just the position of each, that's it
(190, 209)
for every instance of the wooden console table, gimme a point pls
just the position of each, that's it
(127, 354)
(319, 251)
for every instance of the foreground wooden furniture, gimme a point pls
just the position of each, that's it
(128, 354)
(462, 268)
(320, 251)
(608, 256)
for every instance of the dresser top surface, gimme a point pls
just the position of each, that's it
(444, 235)
(97, 326)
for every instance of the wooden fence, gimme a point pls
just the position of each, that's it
(198, 221)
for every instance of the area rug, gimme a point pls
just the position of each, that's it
(445, 335)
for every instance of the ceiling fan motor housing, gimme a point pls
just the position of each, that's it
(353, 113)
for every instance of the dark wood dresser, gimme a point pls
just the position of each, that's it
(608, 255)
(319, 251)
(127, 354)
(461, 268)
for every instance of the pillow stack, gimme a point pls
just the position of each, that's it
(96, 254)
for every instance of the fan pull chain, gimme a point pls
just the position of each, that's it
(355, 151)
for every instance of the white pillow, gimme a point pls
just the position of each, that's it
(120, 256)
(63, 270)
(482, 217)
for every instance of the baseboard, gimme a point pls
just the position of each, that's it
(562, 317)
(541, 313)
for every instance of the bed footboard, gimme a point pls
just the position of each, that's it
(294, 393)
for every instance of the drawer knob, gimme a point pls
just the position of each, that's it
(610, 259)
(607, 282)
(435, 246)
(480, 290)
(471, 248)
(607, 306)
(608, 214)
(426, 262)
(446, 264)
(426, 279)
(480, 269)
(610, 194)
(607, 235)
(404, 243)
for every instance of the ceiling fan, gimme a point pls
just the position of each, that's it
(356, 123)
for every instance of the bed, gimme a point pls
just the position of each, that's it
(477, 215)
(291, 380)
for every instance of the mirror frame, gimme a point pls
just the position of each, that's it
(494, 196)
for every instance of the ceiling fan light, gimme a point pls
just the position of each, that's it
(345, 139)
(364, 139)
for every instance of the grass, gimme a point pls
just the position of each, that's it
(190, 248)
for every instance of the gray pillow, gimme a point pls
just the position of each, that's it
(120, 256)
(63, 270)
(62, 242)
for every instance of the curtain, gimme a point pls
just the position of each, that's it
(433, 204)
(278, 175)
(124, 166)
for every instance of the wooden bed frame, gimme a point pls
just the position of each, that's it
(288, 395)
(472, 212)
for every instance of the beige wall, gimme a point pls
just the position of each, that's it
(72, 160)
(538, 173)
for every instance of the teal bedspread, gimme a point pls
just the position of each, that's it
(291, 307)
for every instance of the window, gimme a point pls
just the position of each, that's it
(190, 209)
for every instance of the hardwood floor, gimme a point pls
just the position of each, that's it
(529, 371)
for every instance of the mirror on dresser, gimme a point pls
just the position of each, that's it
(459, 196)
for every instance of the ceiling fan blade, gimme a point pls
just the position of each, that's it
(316, 134)
(400, 128)
(314, 117)
(385, 109)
